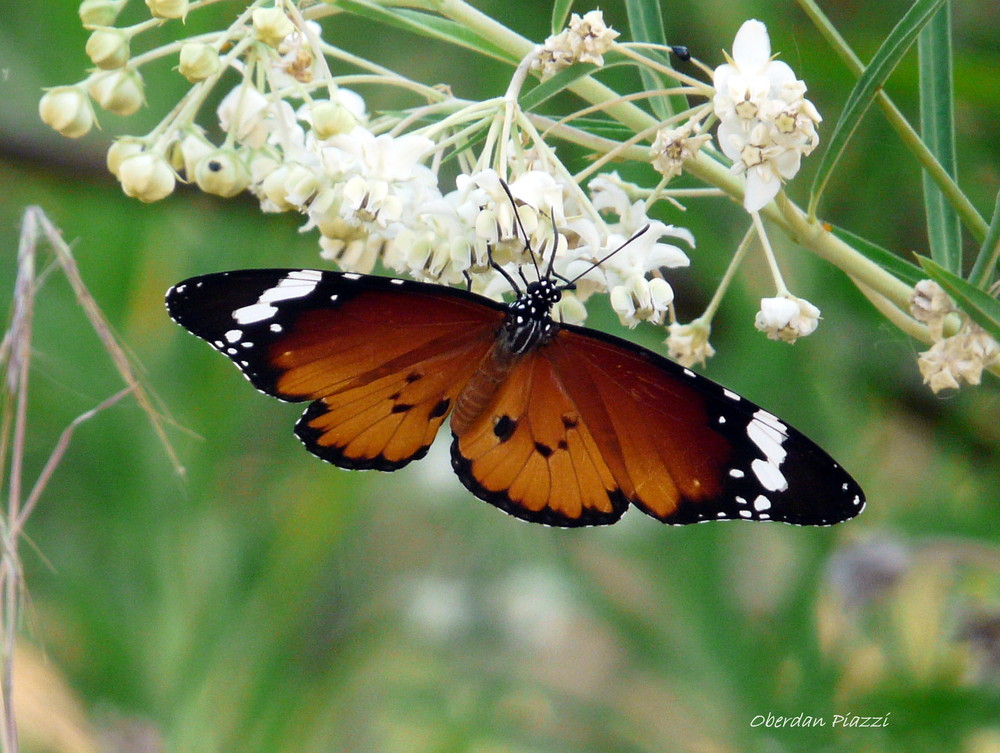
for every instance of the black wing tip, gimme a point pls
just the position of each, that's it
(334, 455)
(463, 469)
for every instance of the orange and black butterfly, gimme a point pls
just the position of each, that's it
(552, 423)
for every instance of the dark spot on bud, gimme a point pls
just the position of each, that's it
(543, 449)
(214, 165)
(401, 407)
(682, 52)
(504, 428)
(441, 408)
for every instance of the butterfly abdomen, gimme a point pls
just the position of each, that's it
(479, 391)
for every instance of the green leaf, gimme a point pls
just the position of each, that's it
(937, 129)
(427, 25)
(868, 86)
(895, 265)
(560, 12)
(981, 307)
(646, 25)
(989, 254)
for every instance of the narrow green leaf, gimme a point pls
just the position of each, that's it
(981, 307)
(989, 254)
(874, 77)
(937, 129)
(646, 25)
(560, 12)
(895, 265)
(427, 25)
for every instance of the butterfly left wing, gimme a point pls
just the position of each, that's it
(686, 450)
(382, 360)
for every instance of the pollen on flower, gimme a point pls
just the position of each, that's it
(688, 343)
(961, 357)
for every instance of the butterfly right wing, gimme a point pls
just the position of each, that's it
(382, 360)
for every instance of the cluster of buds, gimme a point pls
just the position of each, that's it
(957, 358)
(766, 125)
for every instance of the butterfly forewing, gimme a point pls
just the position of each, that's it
(382, 359)
(686, 450)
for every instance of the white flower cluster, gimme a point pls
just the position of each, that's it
(950, 360)
(766, 124)
(787, 318)
(585, 41)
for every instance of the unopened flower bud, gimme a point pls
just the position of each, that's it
(198, 61)
(222, 173)
(167, 8)
(119, 92)
(271, 25)
(120, 150)
(146, 176)
(108, 48)
(331, 119)
(191, 150)
(67, 110)
(98, 12)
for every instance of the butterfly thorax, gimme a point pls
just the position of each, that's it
(528, 323)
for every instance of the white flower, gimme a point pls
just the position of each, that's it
(674, 145)
(786, 318)
(585, 41)
(766, 124)
(242, 112)
(688, 343)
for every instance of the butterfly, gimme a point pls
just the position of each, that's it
(551, 422)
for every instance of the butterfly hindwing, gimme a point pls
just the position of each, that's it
(383, 360)
(686, 450)
(530, 453)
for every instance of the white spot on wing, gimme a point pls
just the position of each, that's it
(688, 372)
(769, 475)
(730, 394)
(745, 513)
(397, 282)
(233, 335)
(275, 327)
(297, 284)
(761, 503)
(351, 276)
(736, 473)
(255, 312)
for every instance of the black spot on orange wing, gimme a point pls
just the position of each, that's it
(524, 457)
(686, 450)
(382, 359)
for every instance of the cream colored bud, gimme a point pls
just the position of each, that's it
(98, 12)
(146, 176)
(67, 110)
(222, 173)
(271, 25)
(108, 48)
(198, 61)
(119, 92)
(331, 119)
(167, 8)
(120, 150)
(192, 150)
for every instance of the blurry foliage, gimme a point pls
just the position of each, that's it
(269, 602)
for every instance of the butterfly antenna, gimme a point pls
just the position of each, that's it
(596, 264)
(517, 216)
(503, 272)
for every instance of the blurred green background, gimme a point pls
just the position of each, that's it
(269, 602)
